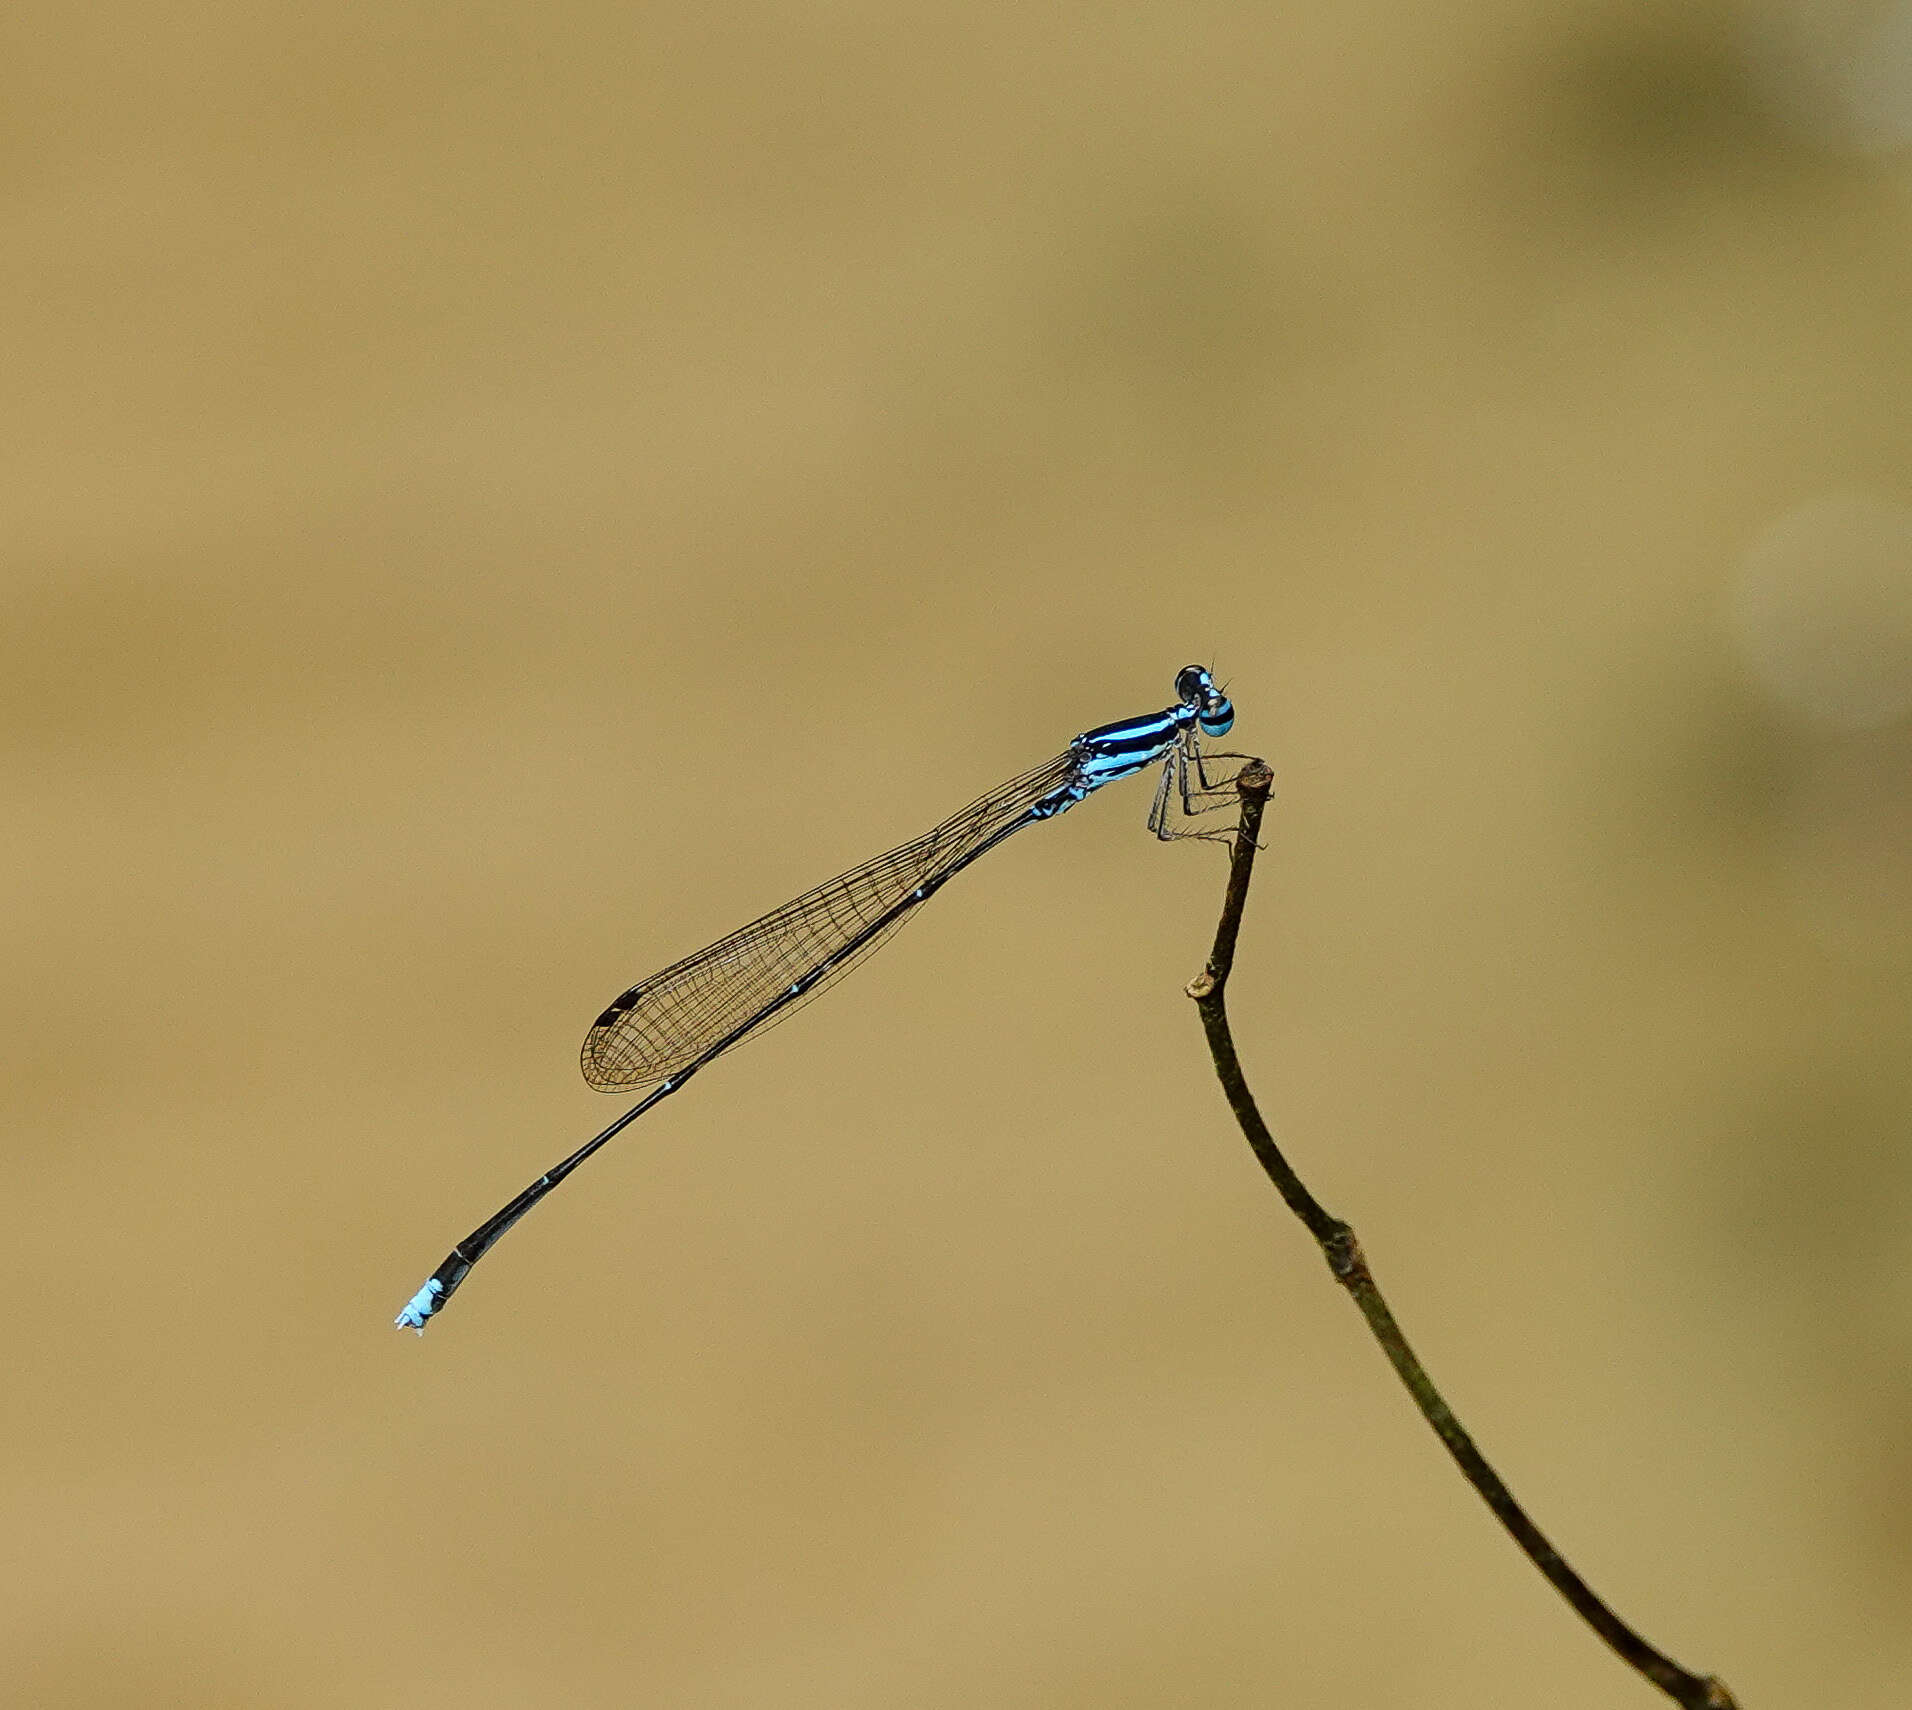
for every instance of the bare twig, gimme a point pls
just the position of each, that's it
(1350, 1268)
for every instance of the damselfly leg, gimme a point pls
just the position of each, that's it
(1185, 784)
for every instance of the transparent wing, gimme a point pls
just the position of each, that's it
(665, 1022)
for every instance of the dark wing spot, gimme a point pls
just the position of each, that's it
(619, 1004)
(618, 1007)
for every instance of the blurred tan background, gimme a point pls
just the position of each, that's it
(495, 497)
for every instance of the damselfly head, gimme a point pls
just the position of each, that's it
(1214, 711)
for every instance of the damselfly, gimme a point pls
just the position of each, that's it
(666, 1028)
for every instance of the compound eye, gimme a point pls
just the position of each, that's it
(1194, 686)
(1218, 716)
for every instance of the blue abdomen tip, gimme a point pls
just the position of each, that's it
(420, 1307)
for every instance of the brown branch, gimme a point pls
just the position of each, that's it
(1350, 1268)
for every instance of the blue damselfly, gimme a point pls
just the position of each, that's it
(664, 1029)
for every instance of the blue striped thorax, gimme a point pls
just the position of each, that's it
(1132, 745)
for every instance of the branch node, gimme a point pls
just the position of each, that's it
(1344, 1255)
